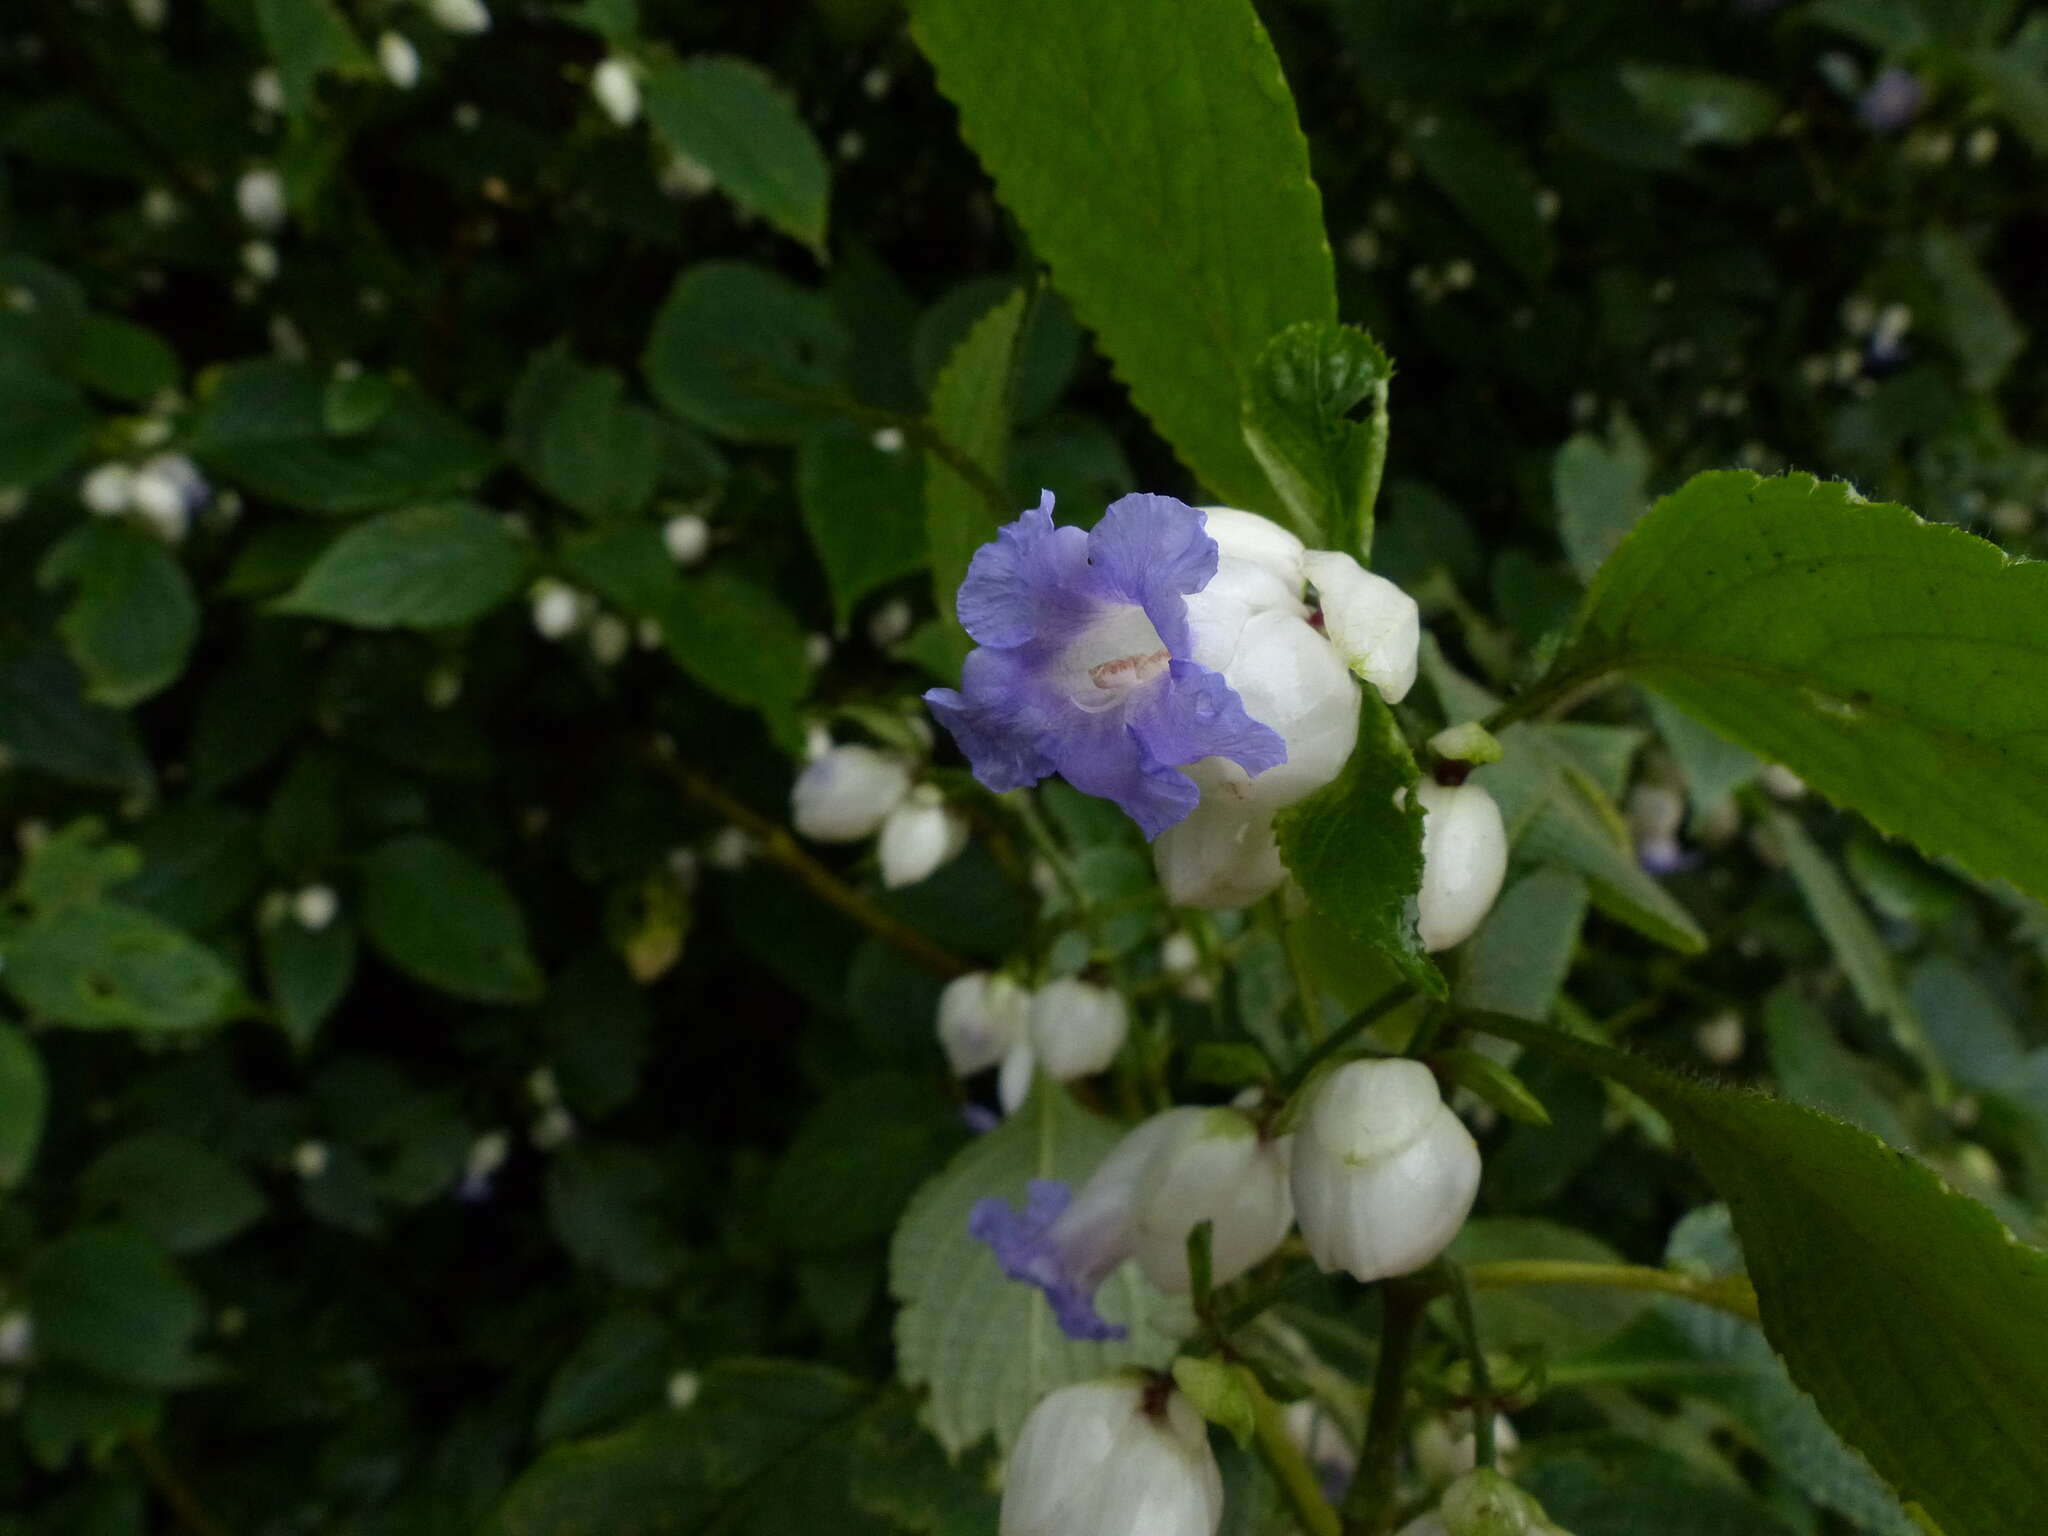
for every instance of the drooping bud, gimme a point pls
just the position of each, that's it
(315, 906)
(844, 795)
(107, 490)
(1464, 861)
(687, 538)
(918, 836)
(1077, 1028)
(1119, 1457)
(1375, 626)
(1384, 1174)
(616, 90)
(1213, 1166)
(460, 15)
(558, 610)
(259, 195)
(981, 1017)
(399, 60)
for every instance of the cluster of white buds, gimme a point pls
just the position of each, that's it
(1125, 1456)
(848, 793)
(1068, 1029)
(163, 492)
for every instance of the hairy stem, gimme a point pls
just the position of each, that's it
(1369, 1505)
(1297, 1479)
(1345, 1033)
(1482, 1379)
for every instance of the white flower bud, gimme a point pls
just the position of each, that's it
(108, 490)
(309, 1159)
(1446, 1449)
(617, 92)
(685, 176)
(161, 208)
(1464, 861)
(315, 907)
(891, 622)
(460, 15)
(558, 610)
(817, 650)
(259, 260)
(1258, 540)
(150, 15)
(1219, 857)
(1119, 1457)
(683, 1388)
(918, 836)
(981, 1019)
(1209, 1165)
(399, 60)
(729, 849)
(17, 1337)
(1384, 1174)
(610, 638)
(1375, 626)
(888, 440)
(1014, 1079)
(260, 197)
(1293, 681)
(687, 538)
(266, 90)
(844, 795)
(1722, 1038)
(1077, 1028)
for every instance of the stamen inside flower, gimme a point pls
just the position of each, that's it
(1119, 652)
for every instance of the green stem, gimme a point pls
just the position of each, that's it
(1346, 1032)
(1482, 1378)
(1557, 694)
(1369, 1505)
(1298, 1482)
(1305, 993)
(1731, 1293)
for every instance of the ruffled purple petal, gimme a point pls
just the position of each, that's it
(1154, 551)
(1022, 1242)
(1029, 582)
(1199, 715)
(1106, 757)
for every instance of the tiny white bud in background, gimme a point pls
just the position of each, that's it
(687, 538)
(817, 650)
(982, 1017)
(1362, 249)
(150, 15)
(1459, 274)
(558, 610)
(286, 340)
(160, 207)
(1118, 1457)
(259, 260)
(266, 89)
(22, 301)
(552, 1129)
(729, 849)
(31, 833)
(467, 116)
(682, 175)
(647, 634)
(2011, 519)
(890, 623)
(888, 439)
(260, 197)
(399, 60)
(616, 90)
(851, 145)
(487, 1155)
(610, 638)
(1859, 313)
(108, 490)
(917, 837)
(231, 1322)
(1585, 406)
(1464, 861)
(444, 687)
(1384, 1173)
(309, 1159)
(13, 499)
(1077, 1027)
(1656, 812)
(817, 740)
(460, 15)
(683, 1388)
(875, 83)
(1783, 782)
(1180, 958)
(373, 301)
(1446, 1449)
(1376, 627)
(17, 1337)
(844, 795)
(1982, 144)
(1548, 204)
(315, 907)
(1722, 1038)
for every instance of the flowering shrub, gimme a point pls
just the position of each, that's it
(754, 782)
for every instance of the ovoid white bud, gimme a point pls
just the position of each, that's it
(1384, 1174)
(1077, 1028)
(918, 836)
(260, 197)
(616, 90)
(315, 906)
(1209, 1165)
(107, 491)
(266, 90)
(460, 15)
(981, 1017)
(399, 60)
(687, 538)
(1120, 1457)
(1464, 860)
(1375, 626)
(558, 610)
(843, 796)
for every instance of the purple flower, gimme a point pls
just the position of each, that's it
(1893, 100)
(1067, 1261)
(1084, 666)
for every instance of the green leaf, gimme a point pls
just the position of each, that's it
(1612, 1484)
(901, 1474)
(1492, 1082)
(1150, 150)
(24, 1099)
(988, 1347)
(431, 567)
(1700, 106)
(1517, 962)
(117, 357)
(1358, 855)
(309, 973)
(1219, 1394)
(1297, 418)
(731, 118)
(1601, 489)
(621, 1367)
(185, 1196)
(264, 426)
(107, 966)
(856, 1160)
(1814, 1069)
(355, 401)
(575, 433)
(106, 1299)
(970, 409)
(447, 921)
(1897, 666)
(864, 510)
(767, 1449)
(1713, 767)
(74, 866)
(46, 722)
(1483, 176)
(133, 623)
(201, 864)
(1914, 1318)
(605, 1203)
(735, 348)
(45, 424)
(1969, 310)
(307, 38)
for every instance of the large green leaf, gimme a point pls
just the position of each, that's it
(1151, 151)
(184, 1195)
(106, 1299)
(431, 567)
(1900, 667)
(1358, 854)
(727, 115)
(133, 623)
(971, 409)
(571, 427)
(45, 424)
(1517, 962)
(988, 1347)
(1918, 1323)
(107, 966)
(738, 349)
(863, 508)
(446, 920)
(766, 1450)
(1325, 466)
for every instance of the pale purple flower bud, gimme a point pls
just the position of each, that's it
(1893, 100)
